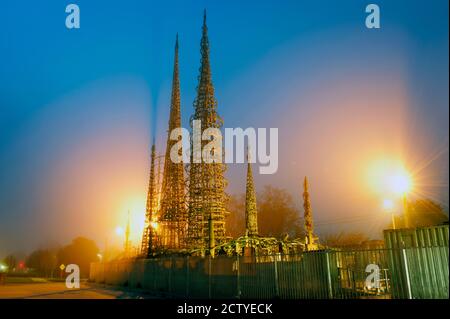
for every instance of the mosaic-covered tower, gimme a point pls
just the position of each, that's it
(173, 210)
(206, 216)
(251, 214)
(148, 237)
(309, 228)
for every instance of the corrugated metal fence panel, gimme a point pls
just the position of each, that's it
(415, 272)
(136, 274)
(257, 278)
(428, 272)
(223, 277)
(198, 279)
(179, 276)
(349, 275)
(397, 268)
(148, 280)
(304, 276)
(419, 262)
(436, 236)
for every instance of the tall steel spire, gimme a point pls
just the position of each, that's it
(148, 238)
(173, 209)
(251, 214)
(206, 180)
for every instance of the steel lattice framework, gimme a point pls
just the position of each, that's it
(251, 214)
(310, 239)
(173, 210)
(206, 215)
(149, 238)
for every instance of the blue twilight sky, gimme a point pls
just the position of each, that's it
(78, 107)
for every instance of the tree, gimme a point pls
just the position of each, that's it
(235, 222)
(345, 240)
(43, 262)
(422, 213)
(82, 252)
(425, 212)
(10, 261)
(277, 214)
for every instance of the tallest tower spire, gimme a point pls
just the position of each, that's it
(205, 103)
(173, 209)
(206, 180)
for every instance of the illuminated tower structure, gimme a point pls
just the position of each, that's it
(251, 214)
(309, 228)
(173, 210)
(127, 244)
(148, 243)
(206, 211)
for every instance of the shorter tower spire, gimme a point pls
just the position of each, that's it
(309, 228)
(127, 236)
(147, 244)
(251, 214)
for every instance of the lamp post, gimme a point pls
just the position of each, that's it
(388, 206)
(405, 211)
(401, 184)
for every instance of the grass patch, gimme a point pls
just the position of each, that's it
(25, 280)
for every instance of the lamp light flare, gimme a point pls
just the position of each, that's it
(119, 231)
(135, 205)
(390, 177)
(388, 205)
(399, 183)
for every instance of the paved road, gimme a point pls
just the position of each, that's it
(58, 290)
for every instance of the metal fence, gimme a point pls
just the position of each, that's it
(392, 273)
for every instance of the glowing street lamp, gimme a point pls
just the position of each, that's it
(400, 183)
(119, 231)
(390, 178)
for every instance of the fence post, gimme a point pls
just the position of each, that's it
(277, 290)
(405, 264)
(170, 274)
(330, 284)
(187, 276)
(154, 270)
(209, 276)
(238, 277)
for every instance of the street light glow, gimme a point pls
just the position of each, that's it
(388, 205)
(119, 231)
(389, 177)
(399, 183)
